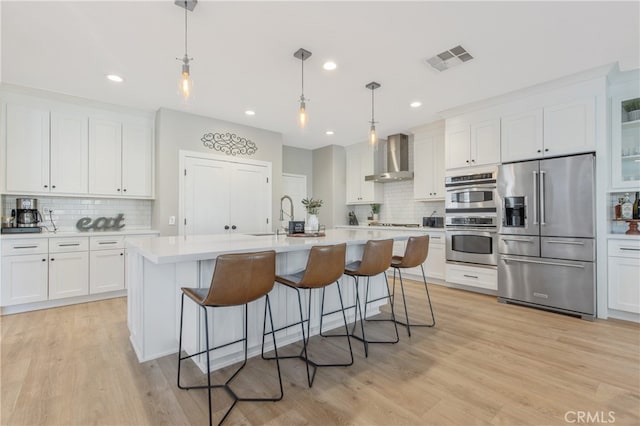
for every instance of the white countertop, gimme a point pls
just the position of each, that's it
(394, 228)
(201, 247)
(62, 234)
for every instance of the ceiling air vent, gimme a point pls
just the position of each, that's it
(449, 58)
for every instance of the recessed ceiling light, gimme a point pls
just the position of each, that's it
(415, 104)
(329, 66)
(250, 112)
(329, 132)
(115, 78)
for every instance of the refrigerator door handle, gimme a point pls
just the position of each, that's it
(535, 197)
(539, 262)
(542, 218)
(573, 243)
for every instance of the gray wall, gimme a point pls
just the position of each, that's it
(298, 161)
(177, 131)
(329, 181)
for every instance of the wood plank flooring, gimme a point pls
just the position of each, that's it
(484, 363)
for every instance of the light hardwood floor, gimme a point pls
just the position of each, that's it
(483, 363)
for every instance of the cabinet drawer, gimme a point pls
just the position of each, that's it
(106, 243)
(472, 276)
(622, 248)
(436, 238)
(568, 248)
(63, 245)
(24, 246)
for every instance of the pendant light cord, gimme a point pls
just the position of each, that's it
(372, 103)
(302, 61)
(185, 30)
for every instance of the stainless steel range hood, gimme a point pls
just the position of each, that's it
(395, 155)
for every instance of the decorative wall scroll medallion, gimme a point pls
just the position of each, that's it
(229, 143)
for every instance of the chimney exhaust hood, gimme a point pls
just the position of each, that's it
(396, 157)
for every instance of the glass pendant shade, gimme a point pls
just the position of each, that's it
(185, 83)
(302, 115)
(373, 137)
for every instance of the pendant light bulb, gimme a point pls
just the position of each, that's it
(302, 115)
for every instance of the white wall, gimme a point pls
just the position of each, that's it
(329, 182)
(298, 161)
(178, 130)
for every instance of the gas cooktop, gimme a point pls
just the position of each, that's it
(400, 225)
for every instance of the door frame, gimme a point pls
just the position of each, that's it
(182, 157)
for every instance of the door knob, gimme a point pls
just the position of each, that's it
(226, 227)
(233, 227)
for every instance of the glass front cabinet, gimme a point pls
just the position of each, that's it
(625, 142)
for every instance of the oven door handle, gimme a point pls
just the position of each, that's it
(491, 230)
(455, 189)
(540, 262)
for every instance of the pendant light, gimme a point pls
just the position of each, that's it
(185, 83)
(303, 55)
(373, 137)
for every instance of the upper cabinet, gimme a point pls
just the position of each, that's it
(428, 158)
(64, 149)
(360, 163)
(474, 144)
(625, 142)
(562, 129)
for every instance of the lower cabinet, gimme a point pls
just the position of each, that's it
(24, 279)
(434, 266)
(106, 264)
(624, 270)
(68, 274)
(473, 276)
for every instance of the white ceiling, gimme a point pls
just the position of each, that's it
(244, 56)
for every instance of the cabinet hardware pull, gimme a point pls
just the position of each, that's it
(46, 186)
(107, 242)
(68, 245)
(537, 262)
(121, 254)
(470, 276)
(53, 186)
(24, 247)
(125, 190)
(573, 243)
(629, 249)
(52, 259)
(517, 240)
(44, 260)
(118, 189)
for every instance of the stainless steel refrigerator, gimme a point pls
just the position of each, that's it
(546, 234)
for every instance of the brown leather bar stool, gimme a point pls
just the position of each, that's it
(325, 266)
(376, 259)
(237, 280)
(414, 255)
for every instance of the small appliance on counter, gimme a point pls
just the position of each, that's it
(26, 217)
(433, 222)
(353, 220)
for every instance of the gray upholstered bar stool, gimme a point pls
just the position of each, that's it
(376, 259)
(237, 280)
(325, 266)
(415, 254)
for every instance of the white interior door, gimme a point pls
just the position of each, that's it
(295, 186)
(249, 199)
(206, 196)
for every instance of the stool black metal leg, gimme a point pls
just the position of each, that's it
(404, 301)
(206, 334)
(275, 347)
(433, 318)
(180, 340)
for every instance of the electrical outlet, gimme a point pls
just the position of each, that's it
(172, 220)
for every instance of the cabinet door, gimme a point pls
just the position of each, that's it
(521, 136)
(69, 153)
(28, 148)
(68, 274)
(485, 142)
(624, 291)
(625, 144)
(24, 279)
(249, 199)
(137, 160)
(106, 271)
(434, 266)
(457, 141)
(206, 196)
(437, 165)
(370, 192)
(422, 164)
(570, 128)
(353, 175)
(105, 157)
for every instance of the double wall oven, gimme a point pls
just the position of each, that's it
(471, 219)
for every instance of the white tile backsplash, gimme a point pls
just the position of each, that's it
(67, 211)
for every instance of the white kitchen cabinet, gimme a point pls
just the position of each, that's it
(474, 144)
(106, 264)
(562, 129)
(625, 144)
(360, 163)
(120, 159)
(24, 271)
(27, 149)
(428, 159)
(434, 266)
(68, 267)
(472, 276)
(69, 153)
(624, 273)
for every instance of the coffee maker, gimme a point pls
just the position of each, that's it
(26, 213)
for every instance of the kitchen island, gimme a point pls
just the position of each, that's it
(159, 267)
